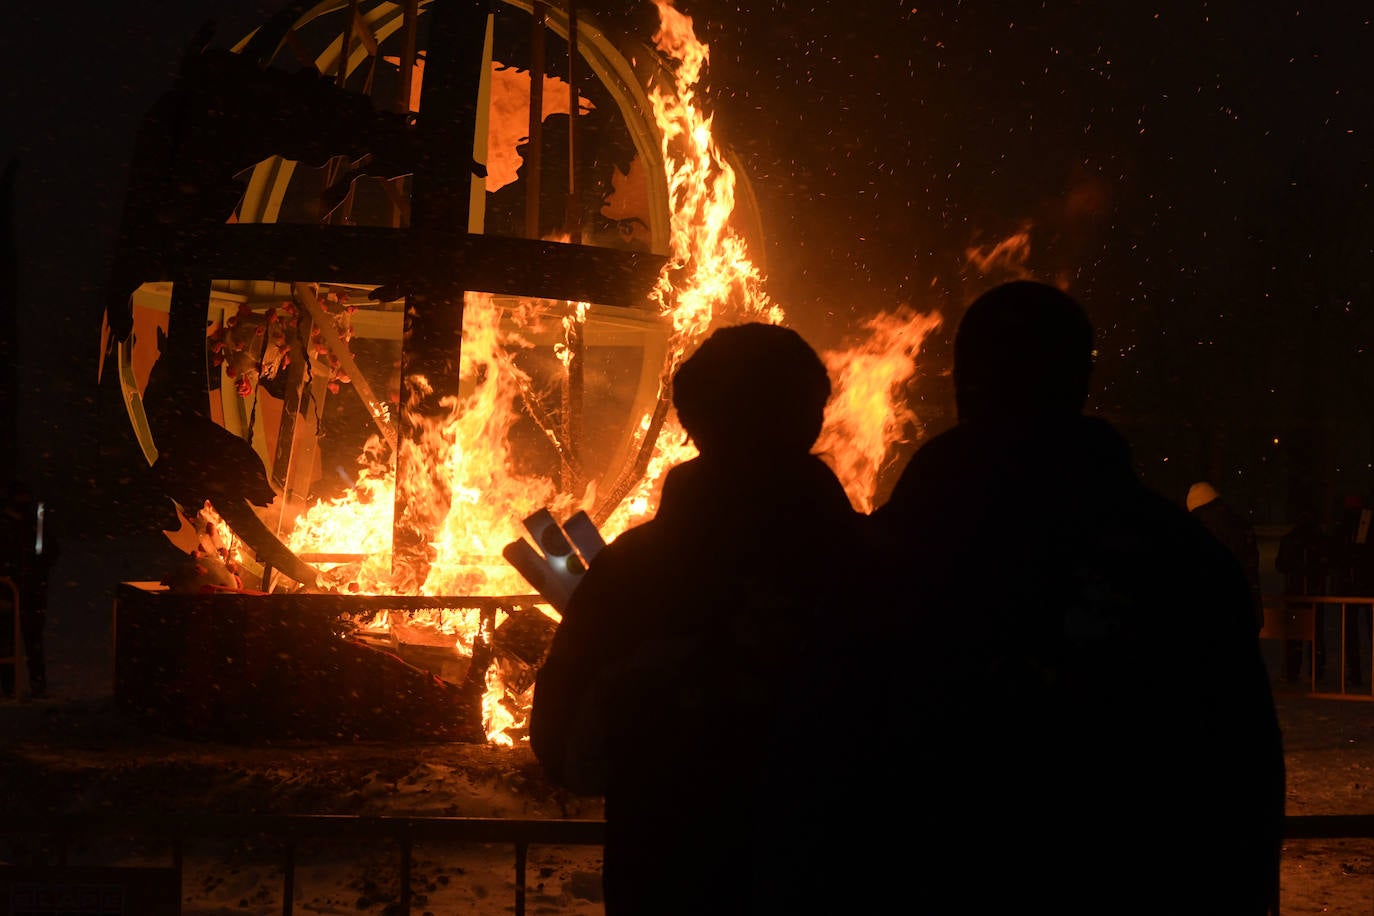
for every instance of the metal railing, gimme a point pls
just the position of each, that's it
(1324, 827)
(289, 831)
(1298, 617)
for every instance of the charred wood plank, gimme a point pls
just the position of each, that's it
(395, 257)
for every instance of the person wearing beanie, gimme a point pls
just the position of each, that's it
(1199, 495)
(1127, 768)
(676, 669)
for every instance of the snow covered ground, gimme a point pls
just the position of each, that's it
(73, 752)
(1329, 750)
(81, 756)
(84, 757)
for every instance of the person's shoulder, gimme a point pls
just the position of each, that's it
(1195, 550)
(635, 554)
(1182, 526)
(1157, 526)
(926, 473)
(630, 544)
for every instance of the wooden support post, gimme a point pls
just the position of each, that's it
(410, 15)
(574, 339)
(535, 141)
(575, 336)
(431, 355)
(409, 24)
(573, 221)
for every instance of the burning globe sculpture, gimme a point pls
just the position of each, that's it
(398, 284)
(393, 277)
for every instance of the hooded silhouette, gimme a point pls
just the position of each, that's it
(1235, 532)
(677, 662)
(1126, 768)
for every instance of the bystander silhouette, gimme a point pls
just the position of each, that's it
(1092, 693)
(1352, 575)
(673, 682)
(1235, 532)
(28, 550)
(1304, 560)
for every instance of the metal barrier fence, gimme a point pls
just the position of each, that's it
(1326, 827)
(290, 830)
(1302, 618)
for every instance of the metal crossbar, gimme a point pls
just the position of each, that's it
(290, 830)
(1294, 617)
(1324, 827)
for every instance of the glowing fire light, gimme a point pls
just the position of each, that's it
(866, 413)
(709, 268)
(1009, 255)
(466, 491)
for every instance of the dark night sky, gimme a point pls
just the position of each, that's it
(1197, 172)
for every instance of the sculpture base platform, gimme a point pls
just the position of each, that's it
(249, 667)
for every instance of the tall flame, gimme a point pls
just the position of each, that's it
(709, 271)
(867, 412)
(466, 491)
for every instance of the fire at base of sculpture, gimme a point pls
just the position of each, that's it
(248, 667)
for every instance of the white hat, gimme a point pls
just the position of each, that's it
(1200, 494)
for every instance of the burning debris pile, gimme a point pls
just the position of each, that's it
(404, 542)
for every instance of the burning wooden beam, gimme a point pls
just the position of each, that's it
(433, 335)
(305, 295)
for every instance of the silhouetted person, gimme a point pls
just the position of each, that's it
(28, 550)
(1094, 730)
(1304, 560)
(683, 644)
(1235, 532)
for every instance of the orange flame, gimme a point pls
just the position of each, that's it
(1009, 255)
(465, 490)
(867, 412)
(709, 267)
